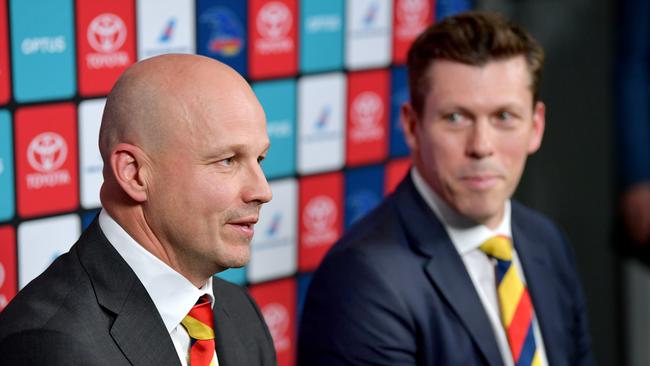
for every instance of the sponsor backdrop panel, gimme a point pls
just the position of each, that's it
(5, 82)
(41, 241)
(88, 217)
(222, 33)
(410, 18)
(321, 123)
(277, 301)
(273, 31)
(46, 159)
(278, 98)
(105, 43)
(321, 217)
(364, 189)
(396, 170)
(321, 35)
(399, 95)
(368, 33)
(234, 275)
(367, 123)
(90, 160)
(329, 74)
(6, 167)
(165, 26)
(274, 246)
(43, 49)
(8, 281)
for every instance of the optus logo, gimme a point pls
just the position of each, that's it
(277, 319)
(47, 152)
(106, 33)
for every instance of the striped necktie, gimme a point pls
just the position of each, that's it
(515, 304)
(198, 324)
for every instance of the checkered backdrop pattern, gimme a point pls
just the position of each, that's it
(329, 75)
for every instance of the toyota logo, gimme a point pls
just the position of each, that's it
(47, 152)
(413, 12)
(320, 214)
(106, 33)
(274, 20)
(367, 109)
(277, 318)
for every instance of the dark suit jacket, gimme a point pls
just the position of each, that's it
(89, 308)
(394, 291)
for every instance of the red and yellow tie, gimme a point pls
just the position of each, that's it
(198, 324)
(515, 304)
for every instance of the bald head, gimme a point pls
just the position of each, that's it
(182, 138)
(154, 98)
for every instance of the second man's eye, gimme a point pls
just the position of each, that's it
(454, 117)
(504, 115)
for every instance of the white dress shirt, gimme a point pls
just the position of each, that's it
(467, 236)
(172, 294)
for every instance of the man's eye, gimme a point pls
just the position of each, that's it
(504, 116)
(454, 117)
(226, 161)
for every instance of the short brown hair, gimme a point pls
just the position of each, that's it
(472, 38)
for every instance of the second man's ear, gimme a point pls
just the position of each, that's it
(409, 120)
(128, 165)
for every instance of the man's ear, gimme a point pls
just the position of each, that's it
(130, 171)
(409, 121)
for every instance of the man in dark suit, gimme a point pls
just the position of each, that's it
(448, 270)
(181, 140)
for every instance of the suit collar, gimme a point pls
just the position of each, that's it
(172, 293)
(138, 329)
(445, 268)
(534, 262)
(231, 351)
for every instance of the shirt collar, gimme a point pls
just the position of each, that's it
(172, 294)
(465, 234)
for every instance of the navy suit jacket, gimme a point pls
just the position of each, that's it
(394, 291)
(89, 308)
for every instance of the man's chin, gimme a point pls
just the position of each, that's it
(482, 212)
(238, 259)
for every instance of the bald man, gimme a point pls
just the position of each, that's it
(181, 138)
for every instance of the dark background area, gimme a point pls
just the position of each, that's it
(572, 177)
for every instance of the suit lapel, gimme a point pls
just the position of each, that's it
(140, 332)
(138, 329)
(534, 264)
(445, 268)
(230, 350)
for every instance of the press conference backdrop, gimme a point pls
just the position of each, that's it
(329, 75)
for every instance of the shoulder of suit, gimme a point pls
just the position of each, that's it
(48, 297)
(537, 225)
